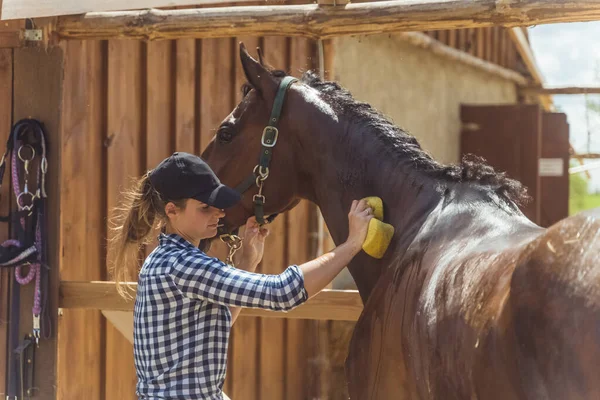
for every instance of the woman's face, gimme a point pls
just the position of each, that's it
(194, 222)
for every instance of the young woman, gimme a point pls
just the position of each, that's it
(187, 301)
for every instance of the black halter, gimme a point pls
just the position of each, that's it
(268, 141)
(261, 171)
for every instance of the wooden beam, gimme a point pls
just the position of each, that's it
(561, 90)
(314, 21)
(343, 305)
(584, 168)
(13, 9)
(520, 40)
(586, 156)
(122, 321)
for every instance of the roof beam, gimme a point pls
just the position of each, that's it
(323, 21)
(562, 90)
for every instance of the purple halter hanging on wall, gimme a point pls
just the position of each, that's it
(26, 151)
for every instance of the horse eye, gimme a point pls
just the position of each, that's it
(224, 135)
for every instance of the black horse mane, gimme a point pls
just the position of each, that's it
(398, 141)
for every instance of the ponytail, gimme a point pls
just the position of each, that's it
(133, 228)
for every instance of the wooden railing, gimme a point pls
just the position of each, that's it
(341, 305)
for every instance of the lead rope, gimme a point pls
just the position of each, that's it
(28, 228)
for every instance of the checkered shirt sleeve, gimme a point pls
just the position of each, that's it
(201, 277)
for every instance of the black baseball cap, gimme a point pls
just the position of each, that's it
(187, 176)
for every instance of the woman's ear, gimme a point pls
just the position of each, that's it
(171, 210)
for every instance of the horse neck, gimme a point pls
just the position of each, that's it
(343, 164)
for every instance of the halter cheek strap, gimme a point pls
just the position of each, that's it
(261, 171)
(268, 141)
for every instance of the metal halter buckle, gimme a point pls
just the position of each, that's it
(267, 142)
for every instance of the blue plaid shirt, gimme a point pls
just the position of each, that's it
(182, 319)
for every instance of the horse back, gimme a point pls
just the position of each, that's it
(555, 307)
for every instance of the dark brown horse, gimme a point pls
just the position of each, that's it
(472, 300)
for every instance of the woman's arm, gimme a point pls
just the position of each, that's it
(201, 277)
(252, 252)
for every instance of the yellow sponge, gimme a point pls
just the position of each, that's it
(379, 234)
(377, 205)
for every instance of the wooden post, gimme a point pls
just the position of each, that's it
(6, 276)
(38, 77)
(316, 21)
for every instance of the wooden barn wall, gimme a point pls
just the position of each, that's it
(126, 105)
(6, 89)
(491, 44)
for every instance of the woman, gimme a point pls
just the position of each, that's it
(187, 301)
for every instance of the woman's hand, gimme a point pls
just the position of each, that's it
(358, 224)
(253, 244)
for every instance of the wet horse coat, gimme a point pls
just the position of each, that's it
(472, 300)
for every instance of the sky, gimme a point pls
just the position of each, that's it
(569, 55)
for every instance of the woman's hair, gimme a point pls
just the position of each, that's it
(134, 226)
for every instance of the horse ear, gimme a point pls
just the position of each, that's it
(257, 74)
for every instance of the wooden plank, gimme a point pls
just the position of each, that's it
(589, 156)
(503, 48)
(38, 77)
(160, 101)
(11, 35)
(496, 45)
(548, 90)
(298, 245)
(487, 33)
(6, 101)
(272, 331)
(122, 321)
(512, 55)
(124, 162)
(12, 9)
(185, 116)
(314, 21)
(343, 305)
(462, 39)
(242, 373)
(443, 36)
(452, 38)
(480, 40)
(160, 95)
(216, 99)
(82, 230)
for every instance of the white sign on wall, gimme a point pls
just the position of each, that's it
(551, 167)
